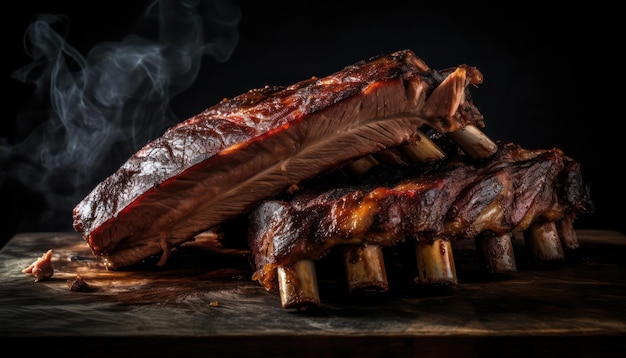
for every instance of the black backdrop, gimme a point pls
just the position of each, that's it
(549, 81)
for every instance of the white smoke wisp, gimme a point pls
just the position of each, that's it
(104, 106)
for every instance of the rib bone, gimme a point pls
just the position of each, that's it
(435, 262)
(474, 142)
(298, 285)
(422, 150)
(496, 253)
(362, 165)
(565, 229)
(544, 242)
(365, 268)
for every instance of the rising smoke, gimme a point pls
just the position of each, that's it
(103, 106)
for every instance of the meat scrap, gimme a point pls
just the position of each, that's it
(78, 284)
(41, 269)
(453, 199)
(226, 159)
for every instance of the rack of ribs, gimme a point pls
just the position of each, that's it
(410, 139)
(538, 192)
(223, 161)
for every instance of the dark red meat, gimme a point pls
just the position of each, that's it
(225, 160)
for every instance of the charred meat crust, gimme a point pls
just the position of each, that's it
(453, 199)
(223, 161)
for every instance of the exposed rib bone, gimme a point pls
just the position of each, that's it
(435, 262)
(423, 150)
(362, 165)
(474, 142)
(365, 268)
(565, 228)
(544, 242)
(496, 253)
(298, 285)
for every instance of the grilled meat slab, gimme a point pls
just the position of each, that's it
(225, 160)
(457, 198)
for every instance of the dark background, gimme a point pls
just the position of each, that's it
(549, 81)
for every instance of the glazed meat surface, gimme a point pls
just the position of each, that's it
(457, 198)
(225, 160)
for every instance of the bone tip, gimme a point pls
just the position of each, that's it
(435, 263)
(298, 285)
(496, 254)
(365, 269)
(544, 243)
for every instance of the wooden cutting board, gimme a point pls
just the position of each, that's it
(205, 302)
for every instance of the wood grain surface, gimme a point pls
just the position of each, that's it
(206, 302)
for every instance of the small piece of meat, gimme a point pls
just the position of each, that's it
(41, 268)
(452, 199)
(225, 160)
(78, 284)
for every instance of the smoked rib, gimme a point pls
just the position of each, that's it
(225, 160)
(453, 199)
